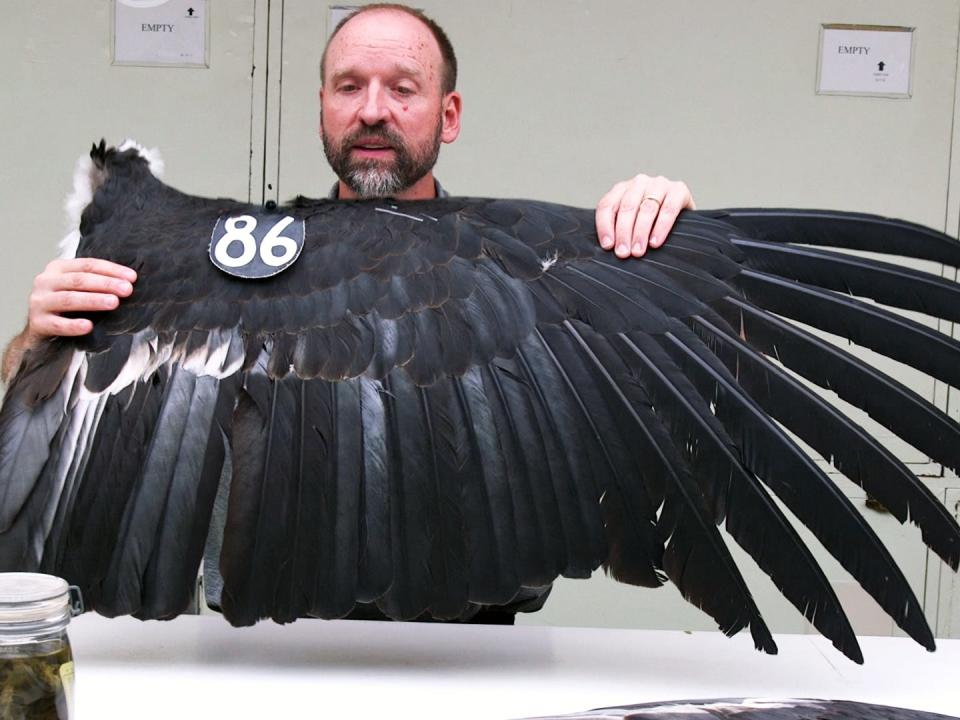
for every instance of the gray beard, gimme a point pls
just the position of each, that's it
(373, 180)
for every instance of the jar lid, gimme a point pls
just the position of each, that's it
(33, 598)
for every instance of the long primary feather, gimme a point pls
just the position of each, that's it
(886, 400)
(569, 455)
(695, 557)
(871, 326)
(635, 548)
(805, 489)
(890, 284)
(752, 518)
(863, 459)
(854, 231)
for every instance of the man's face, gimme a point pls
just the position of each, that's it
(375, 161)
(383, 115)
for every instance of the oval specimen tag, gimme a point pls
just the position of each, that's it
(256, 245)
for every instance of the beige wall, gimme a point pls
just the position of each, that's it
(562, 98)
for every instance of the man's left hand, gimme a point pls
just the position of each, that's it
(639, 213)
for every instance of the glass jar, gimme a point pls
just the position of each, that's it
(36, 663)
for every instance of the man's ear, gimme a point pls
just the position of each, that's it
(451, 106)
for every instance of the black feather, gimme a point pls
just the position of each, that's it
(695, 556)
(853, 231)
(375, 564)
(887, 333)
(489, 527)
(450, 591)
(736, 495)
(795, 478)
(886, 283)
(414, 507)
(886, 401)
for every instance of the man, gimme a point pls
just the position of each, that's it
(388, 101)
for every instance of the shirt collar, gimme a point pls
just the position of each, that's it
(334, 193)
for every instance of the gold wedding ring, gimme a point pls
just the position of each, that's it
(651, 197)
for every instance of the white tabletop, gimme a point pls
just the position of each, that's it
(197, 667)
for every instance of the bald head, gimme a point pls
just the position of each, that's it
(442, 45)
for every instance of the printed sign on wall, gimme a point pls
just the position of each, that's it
(160, 32)
(865, 60)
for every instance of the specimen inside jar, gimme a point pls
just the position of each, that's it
(36, 687)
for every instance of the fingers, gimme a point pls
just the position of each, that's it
(49, 325)
(676, 199)
(92, 266)
(75, 285)
(607, 214)
(640, 213)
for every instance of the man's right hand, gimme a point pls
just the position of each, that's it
(74, 285)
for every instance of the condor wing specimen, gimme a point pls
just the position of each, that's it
(436, 404)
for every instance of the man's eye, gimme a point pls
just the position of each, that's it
(404, 90)
(347, 88)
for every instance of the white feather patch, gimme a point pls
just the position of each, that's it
(221, 356)
(151, 155)
(86, 179)
(548, 262)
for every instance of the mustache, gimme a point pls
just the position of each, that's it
(374, 132)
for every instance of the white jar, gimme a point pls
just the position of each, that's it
(36, 662)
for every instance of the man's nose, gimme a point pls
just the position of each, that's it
(374, 109)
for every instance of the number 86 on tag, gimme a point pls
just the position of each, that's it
(256, 245)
